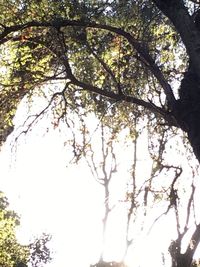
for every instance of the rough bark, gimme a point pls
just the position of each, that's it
(189, 108)
(184, 259)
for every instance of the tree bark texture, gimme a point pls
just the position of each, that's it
(188, 108)
(184, 259)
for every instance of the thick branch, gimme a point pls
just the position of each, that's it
(143, 52)
(118, 97)
(195, 239)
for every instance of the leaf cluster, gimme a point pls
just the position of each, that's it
(12, 253)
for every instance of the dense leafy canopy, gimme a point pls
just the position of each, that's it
(92, 49)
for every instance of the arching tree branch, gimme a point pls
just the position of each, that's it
(141, 50)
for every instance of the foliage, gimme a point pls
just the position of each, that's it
(12, 253)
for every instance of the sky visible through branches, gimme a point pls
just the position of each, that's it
(68, 202)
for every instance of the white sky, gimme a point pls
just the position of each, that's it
(52, 198)
(68, 203)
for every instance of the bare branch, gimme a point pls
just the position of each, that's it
(189, 207)
(41, 113)
(172, 199)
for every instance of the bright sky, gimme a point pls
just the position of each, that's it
(51, 198)
(68, 203)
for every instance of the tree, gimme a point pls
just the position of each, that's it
(104, 166)
(12, 253)
(148, 67)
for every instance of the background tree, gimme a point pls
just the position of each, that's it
(13, 254)
(148, 66)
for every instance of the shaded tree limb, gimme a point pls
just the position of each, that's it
(142, 51)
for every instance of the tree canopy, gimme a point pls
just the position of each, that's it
(109, 56)
(124, 61)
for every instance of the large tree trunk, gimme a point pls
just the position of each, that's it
(182, 261)
(185, 259)
(188, 109)
(178, 259)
